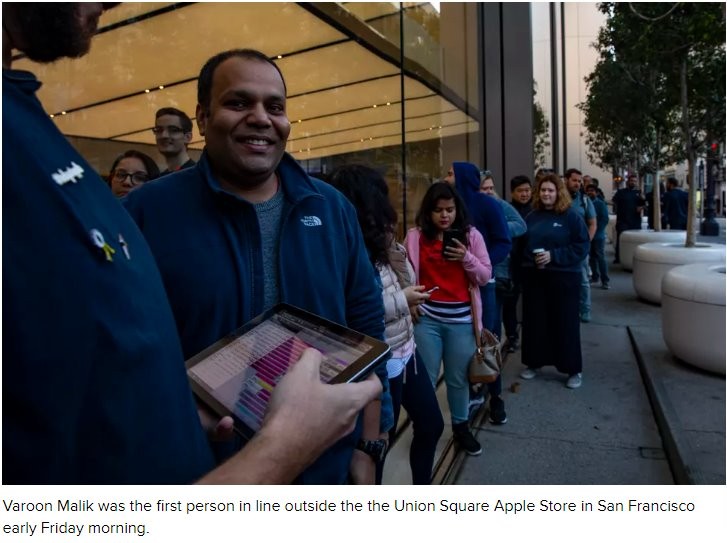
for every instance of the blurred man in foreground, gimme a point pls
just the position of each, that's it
(94, 385)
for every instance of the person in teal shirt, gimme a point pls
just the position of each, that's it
(599, 267)
(582, 205)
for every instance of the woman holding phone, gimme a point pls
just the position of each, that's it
(446, 252)
(409, 383)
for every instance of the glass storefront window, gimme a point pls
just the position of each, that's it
(542, 85)
(350, 97)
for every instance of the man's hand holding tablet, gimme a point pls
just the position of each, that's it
(304, 418)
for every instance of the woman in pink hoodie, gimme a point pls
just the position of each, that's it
(453, 273)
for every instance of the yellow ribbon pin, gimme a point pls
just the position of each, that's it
(100, 242)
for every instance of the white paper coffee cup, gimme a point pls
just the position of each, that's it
(536, 252)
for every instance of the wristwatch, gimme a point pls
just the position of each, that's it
(375, 448)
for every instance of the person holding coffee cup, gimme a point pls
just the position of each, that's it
(553, 249)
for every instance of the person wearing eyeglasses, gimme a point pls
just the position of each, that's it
(173, 132)
(130, 170)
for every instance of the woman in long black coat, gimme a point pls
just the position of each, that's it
(553, 249)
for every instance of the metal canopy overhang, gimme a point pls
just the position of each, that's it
(343, 98)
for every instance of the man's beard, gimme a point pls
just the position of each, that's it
(53, 31)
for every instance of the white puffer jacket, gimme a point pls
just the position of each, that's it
(399, 326)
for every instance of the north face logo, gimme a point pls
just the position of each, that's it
(311, 220)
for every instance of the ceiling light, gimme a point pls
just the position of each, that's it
(63, 112)
(374, 105)
(388, 103)
(161, 87)
(280, 56)
(300, 120)
(146, 90)
(51, 115)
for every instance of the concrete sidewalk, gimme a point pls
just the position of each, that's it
(641, 416)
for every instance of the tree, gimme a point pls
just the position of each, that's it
(661, 71)
(541, 126)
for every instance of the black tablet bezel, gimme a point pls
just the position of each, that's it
(356, 371)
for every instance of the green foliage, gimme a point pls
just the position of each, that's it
(541, 136)
(633, 112)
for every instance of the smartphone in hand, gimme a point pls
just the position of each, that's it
(447, 239)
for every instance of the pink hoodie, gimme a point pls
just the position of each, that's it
(476, 264)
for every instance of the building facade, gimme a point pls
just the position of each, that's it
(404, 87)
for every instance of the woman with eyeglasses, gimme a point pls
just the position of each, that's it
(130, 170)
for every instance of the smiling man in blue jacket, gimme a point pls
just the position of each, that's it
(487, 216)
(246, 228)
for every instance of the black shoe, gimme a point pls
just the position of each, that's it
(497, 410)
(512, 344)
(465, 439)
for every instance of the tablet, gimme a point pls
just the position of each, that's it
(236, 375)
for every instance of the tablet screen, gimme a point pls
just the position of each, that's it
(241, 371)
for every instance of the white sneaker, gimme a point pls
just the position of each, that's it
(529, 373)
(574, 381)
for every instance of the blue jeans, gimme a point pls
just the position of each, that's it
(599, 268)
(585, 294)
(492, 320)
(453, 345)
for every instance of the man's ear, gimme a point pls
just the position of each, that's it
(201, 116)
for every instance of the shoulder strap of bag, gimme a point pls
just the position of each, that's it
(478, 338)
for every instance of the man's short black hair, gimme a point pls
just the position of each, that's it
(204, 83)
(594, 182)
(518, 180)
(184, 120)
(672, 181)
(571, 171)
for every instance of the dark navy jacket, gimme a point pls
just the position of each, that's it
(676, 202)
(565, 235)
(626, 203)
(94, 385)
(207, 244)
(485, 213)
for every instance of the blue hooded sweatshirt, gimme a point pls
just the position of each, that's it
(485, 213)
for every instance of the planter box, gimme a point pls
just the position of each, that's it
(693, 314)
(630, 239)
(653, 260)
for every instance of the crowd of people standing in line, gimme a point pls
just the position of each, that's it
(178, 263)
